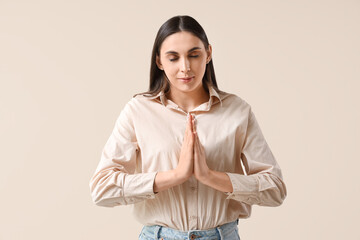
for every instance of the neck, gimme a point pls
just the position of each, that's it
(188, 100)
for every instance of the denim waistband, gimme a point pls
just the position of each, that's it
(158, 231)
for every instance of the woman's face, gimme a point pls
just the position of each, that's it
(180, 52)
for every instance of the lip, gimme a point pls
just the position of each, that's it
(186, 79)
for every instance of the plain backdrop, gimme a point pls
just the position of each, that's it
(67, 68)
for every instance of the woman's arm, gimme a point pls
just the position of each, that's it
(167, 179)
(115, 181)
(263, 183)
(217, 180)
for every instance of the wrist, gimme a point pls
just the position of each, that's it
(179, 176)
(206, 176)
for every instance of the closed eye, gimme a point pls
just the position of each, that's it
(174, 59)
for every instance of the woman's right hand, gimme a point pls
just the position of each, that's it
(185, 167)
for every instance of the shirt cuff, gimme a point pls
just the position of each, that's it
(140, 185)
(243, 185)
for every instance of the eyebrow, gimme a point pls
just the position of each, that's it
(173, 52)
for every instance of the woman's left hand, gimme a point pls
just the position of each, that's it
(201, 169)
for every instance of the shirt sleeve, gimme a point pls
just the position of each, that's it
(114, 181)
(263, 183)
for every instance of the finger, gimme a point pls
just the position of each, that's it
(189, 120)
(191, 131)
(196, 139)
(188, 125)
(198, 144)
(201, 147)
(196, 150)
(191, 128)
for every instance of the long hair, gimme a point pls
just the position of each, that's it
(158, 79)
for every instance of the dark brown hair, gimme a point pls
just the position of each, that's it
(158, 79)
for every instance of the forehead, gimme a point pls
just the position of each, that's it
(181, 42)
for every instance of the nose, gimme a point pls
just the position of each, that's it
(185, 65)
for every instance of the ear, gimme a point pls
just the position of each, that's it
(158, 63)
(209, 54)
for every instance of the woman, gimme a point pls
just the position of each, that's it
(176, 151)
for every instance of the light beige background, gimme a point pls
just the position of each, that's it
(68, 67)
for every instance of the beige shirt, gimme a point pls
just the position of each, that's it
(147, 138)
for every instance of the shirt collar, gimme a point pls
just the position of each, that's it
(212, 92)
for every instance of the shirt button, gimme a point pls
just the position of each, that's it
(193, 236)
(193, 188)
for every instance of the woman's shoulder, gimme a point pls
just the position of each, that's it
(137, 102)
(233, 100)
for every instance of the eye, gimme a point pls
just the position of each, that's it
(174, 59)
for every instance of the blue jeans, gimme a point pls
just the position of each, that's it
(227, 231)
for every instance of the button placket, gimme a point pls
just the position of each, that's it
(193, 218)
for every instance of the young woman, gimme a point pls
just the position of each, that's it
(190, 158)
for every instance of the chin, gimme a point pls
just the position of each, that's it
(189, 87)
